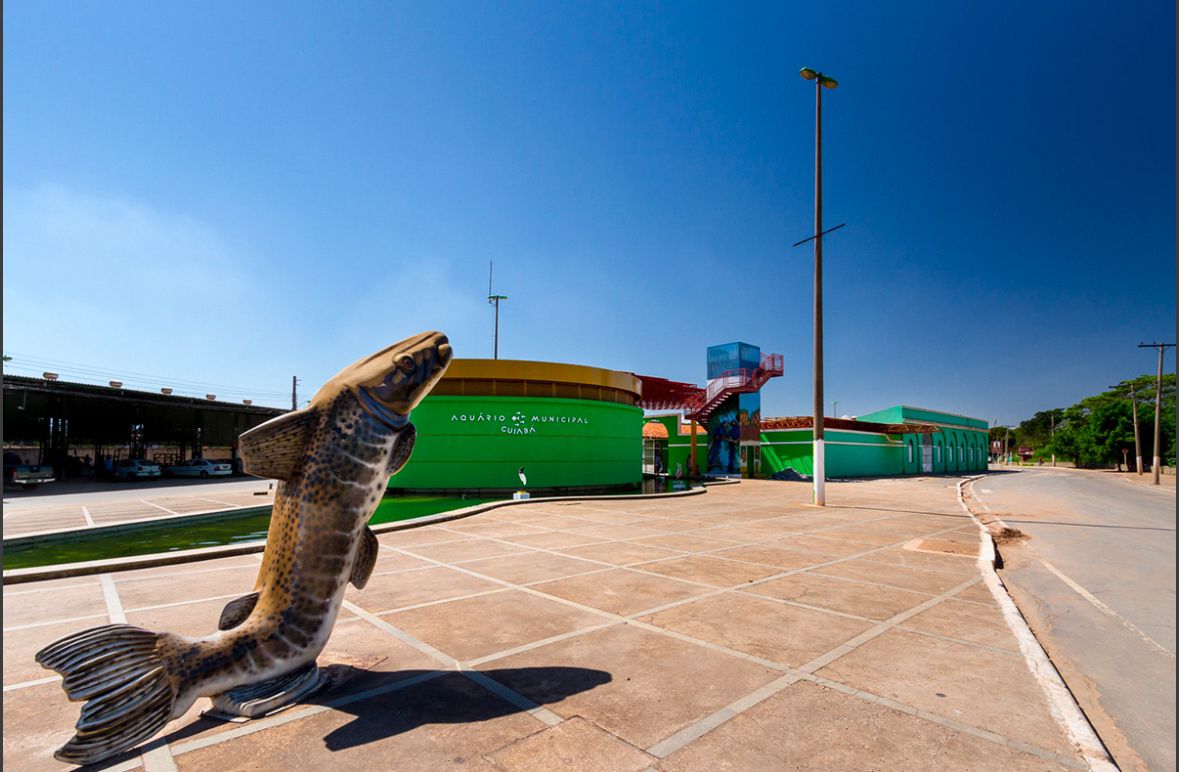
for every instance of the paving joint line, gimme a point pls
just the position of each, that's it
(29, 684)
(33, 625)
(158, 506)
(114, 607)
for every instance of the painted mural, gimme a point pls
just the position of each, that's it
(724, 440)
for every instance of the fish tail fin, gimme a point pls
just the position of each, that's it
(119, 672)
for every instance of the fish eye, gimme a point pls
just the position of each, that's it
(406, 364)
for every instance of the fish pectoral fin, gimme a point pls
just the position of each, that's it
(274, 448)
(236, 611)
(366, 558)
(402, 450)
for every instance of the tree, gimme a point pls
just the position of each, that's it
(1094, 431)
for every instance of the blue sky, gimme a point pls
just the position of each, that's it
(219, 196)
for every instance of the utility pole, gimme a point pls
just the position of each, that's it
(1052, 436)
(1158, 406)
(835, 408)
(1134, 415)
(294, 393)
(494, 300)
(1006, 434)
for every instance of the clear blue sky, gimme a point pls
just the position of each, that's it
(223, 195)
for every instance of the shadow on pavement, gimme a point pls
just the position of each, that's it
(406, 700)
(452, 698)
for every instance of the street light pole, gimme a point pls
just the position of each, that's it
(821, 82)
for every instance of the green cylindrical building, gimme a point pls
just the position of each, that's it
(569, 427)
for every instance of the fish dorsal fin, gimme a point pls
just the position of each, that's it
(366, 558)
(272, 449)
(402, 450)
(236, 611)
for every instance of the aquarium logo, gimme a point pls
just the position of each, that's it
(518, 423)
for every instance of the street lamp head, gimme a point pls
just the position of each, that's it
(808, 73)
(828, 82)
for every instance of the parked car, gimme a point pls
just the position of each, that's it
(199, 467)
(28, 476)
(136, 469)
(235, 464)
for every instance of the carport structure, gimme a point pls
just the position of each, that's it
(56, 416)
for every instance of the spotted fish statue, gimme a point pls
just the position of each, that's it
(333, 459)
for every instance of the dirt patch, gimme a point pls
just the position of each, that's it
(1006, 534)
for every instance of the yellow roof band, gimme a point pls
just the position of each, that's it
(542, 372)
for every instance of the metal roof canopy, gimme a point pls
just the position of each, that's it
(59, 414)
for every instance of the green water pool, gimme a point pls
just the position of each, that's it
(186, 534)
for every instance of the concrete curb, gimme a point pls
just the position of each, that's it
(1061, 703)
(66, 570)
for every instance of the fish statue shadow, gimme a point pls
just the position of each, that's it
(409, 699)
(450, 697)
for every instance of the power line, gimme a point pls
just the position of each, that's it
(35, 364)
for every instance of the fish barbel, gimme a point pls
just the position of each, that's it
(333, 459)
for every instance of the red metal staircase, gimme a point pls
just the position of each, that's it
(697, 403)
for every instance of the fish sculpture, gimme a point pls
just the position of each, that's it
(333, 459)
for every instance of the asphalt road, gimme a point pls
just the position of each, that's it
(1096, 581)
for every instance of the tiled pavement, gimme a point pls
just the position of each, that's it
(739, 629)
(37, 515)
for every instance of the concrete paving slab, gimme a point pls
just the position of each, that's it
(465, 549)
(688, 542)
(620, 553)
(967, 621)
(781, 559)
(66, 599)
(711, 570)
(538, 568)
(842, 732)
(21, 645)
(572, 744)
(476, 627)
(658, 684)
(823, 544)
(554, 539)
(393, 591)
(137, 592)
(419, 536)
(927, 673)
(788, 635)
(849, 597)
(37, 721)
(621, 591)
(958, 565)
(893, 576)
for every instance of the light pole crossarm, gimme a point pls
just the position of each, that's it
(820, 235)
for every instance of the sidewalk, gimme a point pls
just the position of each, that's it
(78, 505)
(742, 628)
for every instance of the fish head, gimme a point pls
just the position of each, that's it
(399, 376)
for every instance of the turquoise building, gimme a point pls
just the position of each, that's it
(900, 440)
